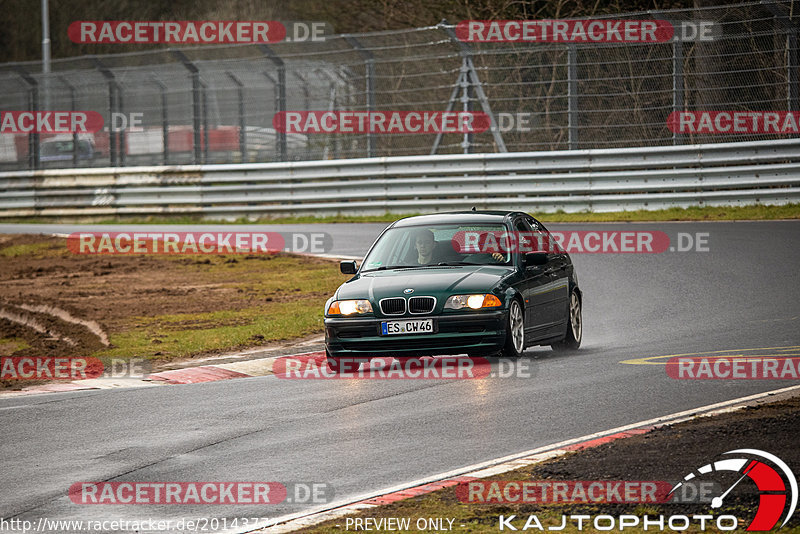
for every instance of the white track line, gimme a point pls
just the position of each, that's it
(291, 522)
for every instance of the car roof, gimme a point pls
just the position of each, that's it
(456, 217)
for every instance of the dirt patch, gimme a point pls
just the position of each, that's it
(63, 304)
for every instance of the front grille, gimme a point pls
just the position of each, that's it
(393, 306)
(421, 304)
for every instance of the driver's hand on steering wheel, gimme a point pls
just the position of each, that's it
(498, 257)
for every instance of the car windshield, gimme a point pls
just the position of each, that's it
(437, 244)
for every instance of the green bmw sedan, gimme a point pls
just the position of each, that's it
(476, 282)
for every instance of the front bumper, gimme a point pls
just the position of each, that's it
(476, 333)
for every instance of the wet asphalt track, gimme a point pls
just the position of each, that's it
(361, 435)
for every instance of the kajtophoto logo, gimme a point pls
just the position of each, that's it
(775, 483)
(771, 476)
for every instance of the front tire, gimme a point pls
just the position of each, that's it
(515, 331)
(333, 363)
(574, 326)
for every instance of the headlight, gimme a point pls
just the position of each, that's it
(349, 307)
(457, 302)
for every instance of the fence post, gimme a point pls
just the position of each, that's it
(572, 96)
(196, 104)
(72, 107)
(34, 161)
(281, 99)
(677, 85)
(792, 67)
(242, 125)
(122, 144)
(278, 135)
(369, 74)
(164, 117)
(332, 139)
(204, 100)
(304, 87)
(113, 90)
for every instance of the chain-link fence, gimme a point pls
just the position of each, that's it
(215, 104)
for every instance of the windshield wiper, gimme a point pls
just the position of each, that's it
(387, 267)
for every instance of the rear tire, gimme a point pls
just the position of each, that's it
(574, 326)
(515, 331)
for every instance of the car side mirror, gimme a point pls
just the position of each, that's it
(535, 258)
(348, 267)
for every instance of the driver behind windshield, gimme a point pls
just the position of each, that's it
(425, 245)
(428, 251)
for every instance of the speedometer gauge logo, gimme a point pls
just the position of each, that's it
(770, 475)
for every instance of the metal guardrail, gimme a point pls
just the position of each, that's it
(599, 180)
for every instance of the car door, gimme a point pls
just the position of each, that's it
(533, 286)
(556, 299)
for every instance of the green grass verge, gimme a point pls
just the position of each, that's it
(289, 307)
(179, 336)
(724, 213)
(31, 249)
(9, 345)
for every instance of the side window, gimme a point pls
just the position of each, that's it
(553, 246)
(522, 226)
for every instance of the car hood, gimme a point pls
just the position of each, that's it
(434, 281)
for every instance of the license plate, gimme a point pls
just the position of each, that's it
(420, 326)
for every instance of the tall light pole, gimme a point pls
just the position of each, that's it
(45, 39)
(45, 56)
